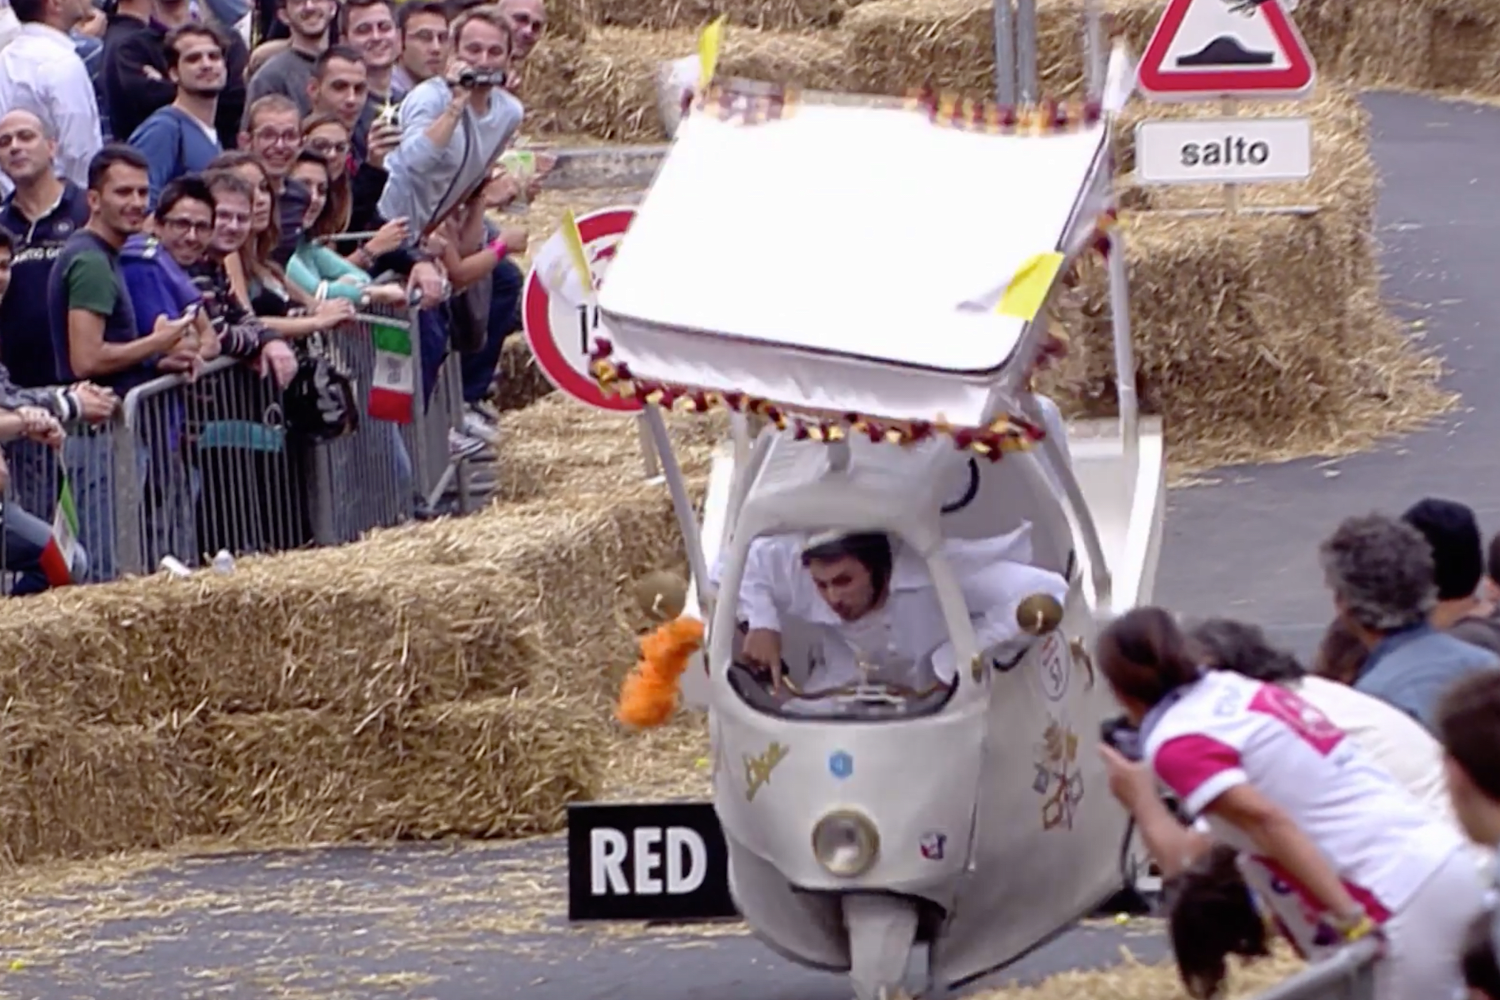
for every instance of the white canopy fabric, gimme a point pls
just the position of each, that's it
(846, 258)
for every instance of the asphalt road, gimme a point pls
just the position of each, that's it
(485, 922)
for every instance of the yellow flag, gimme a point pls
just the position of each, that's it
(708, 51)
(574, 239)
(1028, 289)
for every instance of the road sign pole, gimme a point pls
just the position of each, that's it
(1094, 58)
(1005, 53)
(650, 461)
(1026, 70)
(1231, 108)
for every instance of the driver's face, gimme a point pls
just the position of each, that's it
(845, 584)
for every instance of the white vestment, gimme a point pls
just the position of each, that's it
(906, 640)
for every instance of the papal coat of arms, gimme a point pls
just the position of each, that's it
(1058, 779)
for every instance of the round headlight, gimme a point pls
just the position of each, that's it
(845, 843)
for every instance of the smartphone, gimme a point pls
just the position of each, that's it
(191, 312)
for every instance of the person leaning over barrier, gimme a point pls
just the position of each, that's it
(1380, 571)
(28, 537)
(1393, 740)
(1331, 843)
(1468, 726)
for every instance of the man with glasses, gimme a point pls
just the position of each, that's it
(180, 138)
(273, 132)
(424, 43)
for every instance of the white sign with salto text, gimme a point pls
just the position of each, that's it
(1223, 150)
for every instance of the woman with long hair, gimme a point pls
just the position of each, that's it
(326, 136)
(314, 268)
(1330, 843)
(257, 279)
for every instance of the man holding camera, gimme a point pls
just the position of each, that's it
(442, 178)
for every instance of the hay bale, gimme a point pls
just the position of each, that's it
(77, 791)
(332, 628)
(497, 767)
(778, 15)
(609, 90)
(519, 381)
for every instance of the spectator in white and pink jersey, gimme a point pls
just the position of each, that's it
(1329, 842)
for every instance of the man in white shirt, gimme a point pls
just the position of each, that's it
(873, 608)
(40, 72)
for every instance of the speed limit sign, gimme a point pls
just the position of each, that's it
(559, 319)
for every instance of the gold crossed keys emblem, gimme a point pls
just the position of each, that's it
(758, 768)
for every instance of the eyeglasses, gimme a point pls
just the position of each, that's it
(271, 137)
(182, 226)
(327, 147)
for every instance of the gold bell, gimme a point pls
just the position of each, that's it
(1039, 614)
(661, 595)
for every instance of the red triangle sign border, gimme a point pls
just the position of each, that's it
(1158, 81)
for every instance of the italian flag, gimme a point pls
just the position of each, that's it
(57, 557)
(393, 385)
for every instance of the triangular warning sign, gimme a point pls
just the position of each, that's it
(1225, 48)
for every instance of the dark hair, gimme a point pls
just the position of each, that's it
(1145, 656)
(1467, 724)
(7, 241)
(229, 182)
(29, 11)
(1341, 655)
(1457, 546)
(111, 155)
(1481, 971)
(872, 549)
(351, 5)
(179, 189)
(256, 253)
(189, 30)
(1492, 561)
(1244, 649)
(1212, 915)
(415, 8)
(343, 53)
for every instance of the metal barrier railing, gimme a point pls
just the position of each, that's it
(194, 467)
(1348, 974)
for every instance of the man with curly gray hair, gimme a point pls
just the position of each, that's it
(1380, 571)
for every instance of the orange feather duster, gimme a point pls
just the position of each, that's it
(649, 694)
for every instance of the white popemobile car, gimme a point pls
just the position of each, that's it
(863, 277)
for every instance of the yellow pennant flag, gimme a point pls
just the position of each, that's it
(708, 51)
(1028, 289)
(574, 239)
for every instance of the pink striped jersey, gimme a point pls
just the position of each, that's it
(1228, 730)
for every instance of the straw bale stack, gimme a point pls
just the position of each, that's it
(74, 790)
(1259, 335)
(505, 766)
(608, 89)
(520, 381)
(777, 15)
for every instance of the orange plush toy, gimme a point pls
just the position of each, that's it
(649, 695)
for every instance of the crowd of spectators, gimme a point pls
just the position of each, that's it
(193, 179)
(1358, 798)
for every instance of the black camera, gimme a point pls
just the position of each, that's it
(1123, 737)
(475, 78)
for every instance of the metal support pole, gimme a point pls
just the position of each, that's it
(1230, 107)
(1119, 316)
(1026, 71)
(649, 460)
(682, 505)
(1005, 52)
(1095, 58)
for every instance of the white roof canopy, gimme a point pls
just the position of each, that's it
(847, 257)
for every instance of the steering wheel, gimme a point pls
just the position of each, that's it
(885, 689)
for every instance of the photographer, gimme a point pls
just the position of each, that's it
(1333, 846)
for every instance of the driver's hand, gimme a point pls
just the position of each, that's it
(762, 646)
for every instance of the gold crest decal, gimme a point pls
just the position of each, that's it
(1058, 779)
(758, 768)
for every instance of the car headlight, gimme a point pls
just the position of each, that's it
(845, 843)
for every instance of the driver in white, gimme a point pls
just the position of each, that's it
(874, 603)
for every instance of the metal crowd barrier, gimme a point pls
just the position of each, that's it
(1349, 974)
(192, 468)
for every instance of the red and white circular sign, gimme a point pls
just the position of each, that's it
(560, 326)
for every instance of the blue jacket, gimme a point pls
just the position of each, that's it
(1412, 667)
(174, 145)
